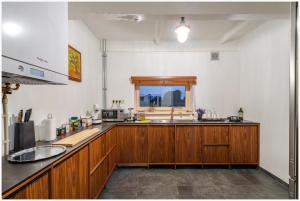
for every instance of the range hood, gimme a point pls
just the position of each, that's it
(35, 42)
(14, 71)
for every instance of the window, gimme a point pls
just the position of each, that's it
(161, 94)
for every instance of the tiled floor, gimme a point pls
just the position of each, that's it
(192, 183)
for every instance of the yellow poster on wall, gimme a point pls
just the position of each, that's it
(74, 64)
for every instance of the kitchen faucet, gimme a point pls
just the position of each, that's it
(172, 113)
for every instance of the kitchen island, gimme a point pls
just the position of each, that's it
(83, 170)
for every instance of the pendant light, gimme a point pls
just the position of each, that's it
(182, 31)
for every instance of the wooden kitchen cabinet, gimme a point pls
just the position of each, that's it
(244, 144)
(133, 144)
(215, 146)
(111, 139)
(216, 154)
(98, 179)
(215, 135)
(188, 144)
(112, 160)
(161, 144)
(97, 151)
(37, 189)
(69, 178)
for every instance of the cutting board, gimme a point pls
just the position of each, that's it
(77, 138)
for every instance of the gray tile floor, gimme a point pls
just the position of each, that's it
(195, 183)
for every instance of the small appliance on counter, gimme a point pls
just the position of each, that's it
(111, 115)
(234, 119)
(96, 115)
(130, 114)
(24, 135)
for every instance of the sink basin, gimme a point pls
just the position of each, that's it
(172, 121)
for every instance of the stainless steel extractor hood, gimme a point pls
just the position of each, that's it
(14, 71)
(35, 42)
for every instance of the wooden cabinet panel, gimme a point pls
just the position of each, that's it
(111, 139)
(97, 151)
(216, 154)
(161, 145)
(69, 179)
(112, 160)
(38, 189)
(133, 144)
(98, 179)
(215, 134)
(244, 144)
(188, 144)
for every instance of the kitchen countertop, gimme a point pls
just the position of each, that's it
(15, 173)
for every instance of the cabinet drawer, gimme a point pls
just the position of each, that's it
(215, 135)
(97, 151)
(216, 154)
(38, 189)
(111, 139)
(98, 179)
(112, 160)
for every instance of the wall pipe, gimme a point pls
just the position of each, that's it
(104, 74)
(6, 89)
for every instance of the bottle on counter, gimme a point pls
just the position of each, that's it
(241, 114)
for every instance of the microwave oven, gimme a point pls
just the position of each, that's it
(113, 115)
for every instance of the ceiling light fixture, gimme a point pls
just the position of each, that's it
(182, 31)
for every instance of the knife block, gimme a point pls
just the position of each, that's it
(24, 136)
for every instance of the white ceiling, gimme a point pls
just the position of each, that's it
(208, 21)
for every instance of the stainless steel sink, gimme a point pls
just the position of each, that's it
(172, 121)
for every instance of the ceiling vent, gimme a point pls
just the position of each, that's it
(125, 17)
(214, 56)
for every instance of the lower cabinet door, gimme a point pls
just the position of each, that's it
(133, 144)
(112, 160)
(98, 179)
(38, 189)
(216, 154)
(69, 179)
(161, 143)
(244, 144)
(188, 144)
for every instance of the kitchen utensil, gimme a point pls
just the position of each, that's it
(27, 115)
(36, 153)
(77, 138)
(20, 116)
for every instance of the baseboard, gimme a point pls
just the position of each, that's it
(275, 177)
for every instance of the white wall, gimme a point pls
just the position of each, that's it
(68, 100)
(265, 91)
(218, 81)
